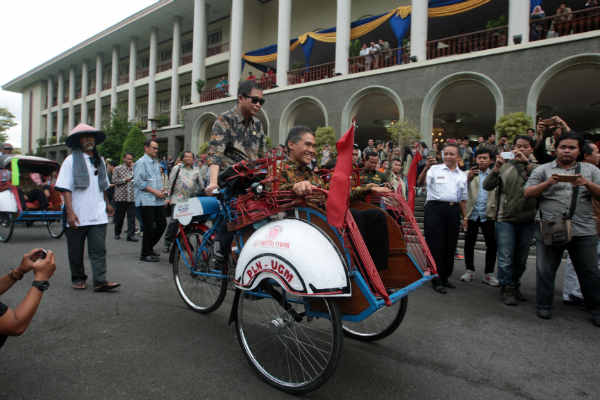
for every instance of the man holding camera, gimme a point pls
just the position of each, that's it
(14, 322)
(548, 131)
(514, 216)
(565, 189)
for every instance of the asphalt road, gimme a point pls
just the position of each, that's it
(143, 343)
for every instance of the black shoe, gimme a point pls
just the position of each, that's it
(544, 314)
(574, 301)
(117, 237)
(596, 320)
(518, 295)
(153, 253)
(439, 288)
(132, 239)
(507, 293)
(448, 285)
(150, 258)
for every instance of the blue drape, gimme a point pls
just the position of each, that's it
(534, 3)
(400, 26)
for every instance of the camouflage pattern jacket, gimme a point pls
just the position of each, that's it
(372, 176)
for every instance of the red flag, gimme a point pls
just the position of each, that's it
(339, 188)
(412, 180)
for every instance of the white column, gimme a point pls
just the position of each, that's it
(152, 76)
(98, 99)
(198, 47)
(175, 58)
(419, 18)
(235, 48)
(61, 97)
(284, 23)
(342, 42)
(71, 117)
(49, 124)
(132, 77)
(518, 20)
(84, 92)
(114, 79)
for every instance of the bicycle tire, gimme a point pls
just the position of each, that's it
(352, 330)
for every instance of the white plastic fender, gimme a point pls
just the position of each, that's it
(8, 203)
(296, 254)
(202, 205)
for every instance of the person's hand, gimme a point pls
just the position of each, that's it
(519, 156)
(160, 194)
(302, 188)
(211, 188)
(562, 123)
(580, 181)
(430, 161)
(380, 189)
(43, 269)
(167, 202)
(110, 211)
(72, 219)
(465, 224)
(552, 180)
(27, 262)
(473, 172)
(499, 163)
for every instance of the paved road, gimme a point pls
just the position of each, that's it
(143, 343)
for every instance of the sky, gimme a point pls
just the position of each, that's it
(35, 31)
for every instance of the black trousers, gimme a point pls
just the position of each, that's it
(154, 226)
(488, 228)
(442, 223)
(122, 208)
(372, 225)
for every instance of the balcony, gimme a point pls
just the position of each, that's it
(214, 93)
(123, 79)
(141, 73)
(467, 43)
(105, 85)
(579, 21)
(211, 51)
(164, 66)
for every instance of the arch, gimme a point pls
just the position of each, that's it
(433, 95)
(540, 82)
(264, 119)
(289, 114)
(351, 107)
(201, 130)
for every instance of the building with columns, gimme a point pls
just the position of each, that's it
(451, 71)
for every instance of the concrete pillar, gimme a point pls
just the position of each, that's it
(84, 92)
(71, 117)
(342, 42)
(114, 79)
(235, 48)
(132, 77)
(198, 47)
(98, 99)
(152, 76)
(61, 97)
(49, 124)
(284, 23)
(175, 59)
(419, 18)
(518, 21)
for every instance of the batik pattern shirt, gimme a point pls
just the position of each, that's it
(184, 182)
(234, 140)
(122, 178)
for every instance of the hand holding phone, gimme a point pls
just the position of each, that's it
(39, 255)
(507, 155)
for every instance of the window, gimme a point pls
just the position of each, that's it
(187, 47)
(214, 38)
(165, 55)
(164, 106)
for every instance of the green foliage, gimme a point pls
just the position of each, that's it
(40, 143)
(204, 148)
(325, 135)
(269, 143)
(6, 122)
(134, 143)
(116, 132)
(200, 85)
(354, 48)
(497, 22)
(403, 133)
(62, 139)
(163, 120)
(513, 125)
(52, 140)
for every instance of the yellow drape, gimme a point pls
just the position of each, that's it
(456, 8)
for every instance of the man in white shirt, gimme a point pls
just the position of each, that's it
(445, 207)
(83, 182)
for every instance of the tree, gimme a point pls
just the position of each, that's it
(513, 125)
(134, 143)
(325, 135)
(402, 133)
(6, 122)
(116, 133)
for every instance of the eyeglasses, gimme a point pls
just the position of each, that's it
(255, 99)
(154, 148)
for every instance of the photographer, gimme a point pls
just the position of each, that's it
(565, 188)
(514, 216)
(14, 322)
(548, 131)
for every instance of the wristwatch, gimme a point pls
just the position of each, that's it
(41, 285)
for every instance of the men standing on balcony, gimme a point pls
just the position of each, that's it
(365, 52)
(237, 135)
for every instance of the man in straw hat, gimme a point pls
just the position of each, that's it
(83, 181)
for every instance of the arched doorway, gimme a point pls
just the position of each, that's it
(374, 108)
(202, 130)
(462, 104)
(308, 111)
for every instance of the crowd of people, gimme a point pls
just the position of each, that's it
(545, 25)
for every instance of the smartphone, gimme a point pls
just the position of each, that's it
(507, 155)
(39, 255)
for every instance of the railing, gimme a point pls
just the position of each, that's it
(266, 81)
(214, 93)
(577, 22)
(211, 51)
(186, 58)
(312, 73)
(382, 59)
(105, 85)
(92, 89)
(123, 79)
(467, 43)
(78, 93)
(141, 73)
(164, 66)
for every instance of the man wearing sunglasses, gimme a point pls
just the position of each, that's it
(237, 135)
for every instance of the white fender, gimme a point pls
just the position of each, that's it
(8, 203)
(296, 254)
(202, 205)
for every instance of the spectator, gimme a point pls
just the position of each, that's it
(6, 149)
(84, 183)
(591, 3)
(384, 45)
(571, 288)
(370, 147)
(356, 159)
(563, 15)
(325, 155)
(124, 198)
(503, 144)
(149, 195)
(491, 139)
(370, 174)
(396, 179)
(572, 201)
(538, 12)
(551, 32)
(514, 218)
(185, 181)
(251, 76)
(531, 133)
(365, 52)
(222, 84)
(446, 201)
(465, 152)
(381, 153)
(14, 322)
(548, 132)
(481, 213)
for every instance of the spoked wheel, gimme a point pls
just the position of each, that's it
(7, 225)
(56, 228)
(291, 351)
(201, 289)
(379, 325)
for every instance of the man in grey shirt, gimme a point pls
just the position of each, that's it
(554, 202)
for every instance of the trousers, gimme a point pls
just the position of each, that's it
(442, 223)
(125, 207)
(513, 249)
(154, 226)
(96, 237)
(487, 228)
